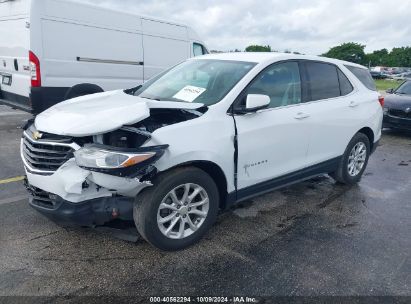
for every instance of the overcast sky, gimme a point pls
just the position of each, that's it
(310, 26)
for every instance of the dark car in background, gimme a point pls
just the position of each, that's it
(397, 107)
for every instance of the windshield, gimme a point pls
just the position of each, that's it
(405, 88)
(201, 81)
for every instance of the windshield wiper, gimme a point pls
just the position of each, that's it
(157, 99)
(132, 91)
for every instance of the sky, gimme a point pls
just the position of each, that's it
(310, 27)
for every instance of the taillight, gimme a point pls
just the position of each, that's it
(381, 100)
(34, 70)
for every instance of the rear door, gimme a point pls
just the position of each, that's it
(273, 142)
(333, 106)
(14, 49)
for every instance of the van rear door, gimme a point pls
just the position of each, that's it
(14, 50)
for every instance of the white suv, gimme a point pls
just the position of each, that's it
(198, 138)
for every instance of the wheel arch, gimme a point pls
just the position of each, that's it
(216, 173)
(370, 134)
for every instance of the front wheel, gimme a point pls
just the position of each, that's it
(354, 161)
(178, 209)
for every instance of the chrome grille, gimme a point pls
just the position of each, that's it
(45, 156)
(400, 113)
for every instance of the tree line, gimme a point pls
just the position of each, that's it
(354, 52)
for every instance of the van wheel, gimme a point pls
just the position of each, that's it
(178, 209)
(82, 89)
(354, 161)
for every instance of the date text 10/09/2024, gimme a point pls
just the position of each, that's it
(203, 300)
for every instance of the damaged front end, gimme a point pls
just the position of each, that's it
(93, 179)
(74, 180)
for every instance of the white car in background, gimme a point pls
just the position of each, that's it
(53, 50)
(208, 133)
(402, 76)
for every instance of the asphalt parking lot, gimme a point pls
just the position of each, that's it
(314, 238)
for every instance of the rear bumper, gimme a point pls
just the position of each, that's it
(396, 123)
(95, 212)
(15, 101)
(41, 98)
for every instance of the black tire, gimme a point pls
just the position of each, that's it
(82, 89)
(342, 175)
(147, 205)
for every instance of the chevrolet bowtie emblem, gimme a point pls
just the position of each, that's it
(37, 135)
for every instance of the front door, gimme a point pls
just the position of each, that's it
(273, 142)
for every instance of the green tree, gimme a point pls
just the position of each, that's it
(400, 57)
(354, 52)
(258, 48)
(350, 51)
(378, 57)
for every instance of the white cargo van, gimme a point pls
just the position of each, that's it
(52, 50)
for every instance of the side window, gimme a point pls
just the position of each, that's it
(345, 85)
(281, 82)
(198, 49)
(364, 76)
(322, 80)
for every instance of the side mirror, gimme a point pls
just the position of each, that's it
(390, 91)
(255, 102)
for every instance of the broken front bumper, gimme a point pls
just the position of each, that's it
(72, 195)
(94, 212)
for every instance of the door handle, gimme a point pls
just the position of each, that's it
(353, 104)
(301, 115)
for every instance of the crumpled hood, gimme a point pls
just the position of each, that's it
(100, 113)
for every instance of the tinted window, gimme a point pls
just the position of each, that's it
(364, 76)
(322, 80)
(281, 82)
(404, 89)
(345, 85)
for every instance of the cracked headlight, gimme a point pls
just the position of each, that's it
(99, 157)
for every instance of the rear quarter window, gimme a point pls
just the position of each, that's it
(364, 76)
(345, 85)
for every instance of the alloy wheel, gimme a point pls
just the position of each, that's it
(182, 211)
(356, 159)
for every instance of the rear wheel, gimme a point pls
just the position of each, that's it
(354, 160)
(178, 210)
